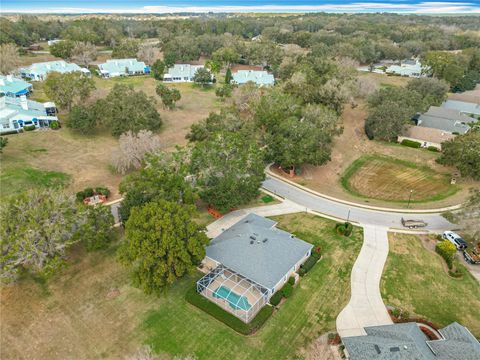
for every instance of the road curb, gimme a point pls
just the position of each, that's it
(368, 207)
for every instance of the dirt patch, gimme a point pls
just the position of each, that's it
(320, 349)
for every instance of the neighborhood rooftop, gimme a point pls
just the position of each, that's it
(39, 71)
(181, 72)
(257, 250)
(462, 106)
(259, 77)
(407, 342)
(445, 119)
(17, 112)
(12, 86)
(118, 67)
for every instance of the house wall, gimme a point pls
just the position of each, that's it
(425, 144)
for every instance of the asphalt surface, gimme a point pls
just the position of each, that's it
(356, 214)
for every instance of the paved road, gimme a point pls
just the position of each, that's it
(366, 307)
(360, 215)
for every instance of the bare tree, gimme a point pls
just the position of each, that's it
(147, 54)
(365, 86)
(133, 148)
(9, 58)
(84, 53)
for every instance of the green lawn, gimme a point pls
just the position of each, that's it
(177, 327)
(415, 279)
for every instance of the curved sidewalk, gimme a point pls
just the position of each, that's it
(366, 307)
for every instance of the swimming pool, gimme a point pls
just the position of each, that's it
(235, 301)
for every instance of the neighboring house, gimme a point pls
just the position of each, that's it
(407, 342)
(39, 71)
(465, 108)
(447, 120)
(426, 136)
(410, 68)
(12, 86)
(123, 67)
(181, 73)
(259, 77)
(15, 113)
(248, 263)
(53, 41)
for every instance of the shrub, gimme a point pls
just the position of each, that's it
(276, 298)
(308, 265)
(267, 198)
(446, 250)
(102, 191)
(433, 148)
(228, 319)
(54, 125)
(80, 195)
(396, 313)
(29, 127)
(87, 192)
(291, 280)
(287, 290)
(344, 229)
(302, 271)
(411, 143)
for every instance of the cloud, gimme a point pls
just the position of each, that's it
(434, 7)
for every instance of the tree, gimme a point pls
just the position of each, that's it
(169, 96)
(158, 69)
(213, 66)
(226, 56)
(229, 170)
(224, 91)
(132, 149)
(163, 176)
(127, 48)
(96, 232)
(125, 109)
(467, 217)
(228, 120)
(82, 119)
(83, 53)
(446, 250)
(36, 230)
(386, 121)
(62, 49)
(68, 89)
(463, 152)
(10, 58)
(147, 54)
(228, 76)
(432, 90)
(162, 244)
(3, 143)
(202, 76)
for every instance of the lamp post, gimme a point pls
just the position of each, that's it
(409, 198)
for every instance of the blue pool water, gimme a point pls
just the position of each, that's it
(236, 301)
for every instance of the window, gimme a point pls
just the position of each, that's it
(185, 78)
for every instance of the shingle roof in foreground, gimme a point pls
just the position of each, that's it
(407, 342)
(265, 262)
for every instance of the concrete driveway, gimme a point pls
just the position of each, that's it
(366, 307)
(357, 214)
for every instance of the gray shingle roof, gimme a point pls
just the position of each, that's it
(265, 262)
(407, 342)
(462, 106)
(448, 120)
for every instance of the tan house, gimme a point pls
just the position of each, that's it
(426, 136)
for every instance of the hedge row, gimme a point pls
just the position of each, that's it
(446, 250)
(228, 319)
(411, 143)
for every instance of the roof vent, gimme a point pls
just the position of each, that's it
(377, 349)
(265, 240)
(251, 242)
(253, 237)
(394, 349)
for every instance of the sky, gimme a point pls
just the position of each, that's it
(175, 6)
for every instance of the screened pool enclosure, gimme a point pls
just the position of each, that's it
(233, 292)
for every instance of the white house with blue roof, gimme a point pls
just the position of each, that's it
(123, 67)
(12, 86)
(18, 112)
(259, 77)
(39, 71)
(181, 73)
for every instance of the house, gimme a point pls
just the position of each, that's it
(39, 71)
(12, 86)
(447, 120)
(407, 342)
(410, 68)
(248, 263)
(181, 73)
(53, 41)
(428, 137)
(463, 107)
(259, 77)
(18, 112)
(123, 67)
